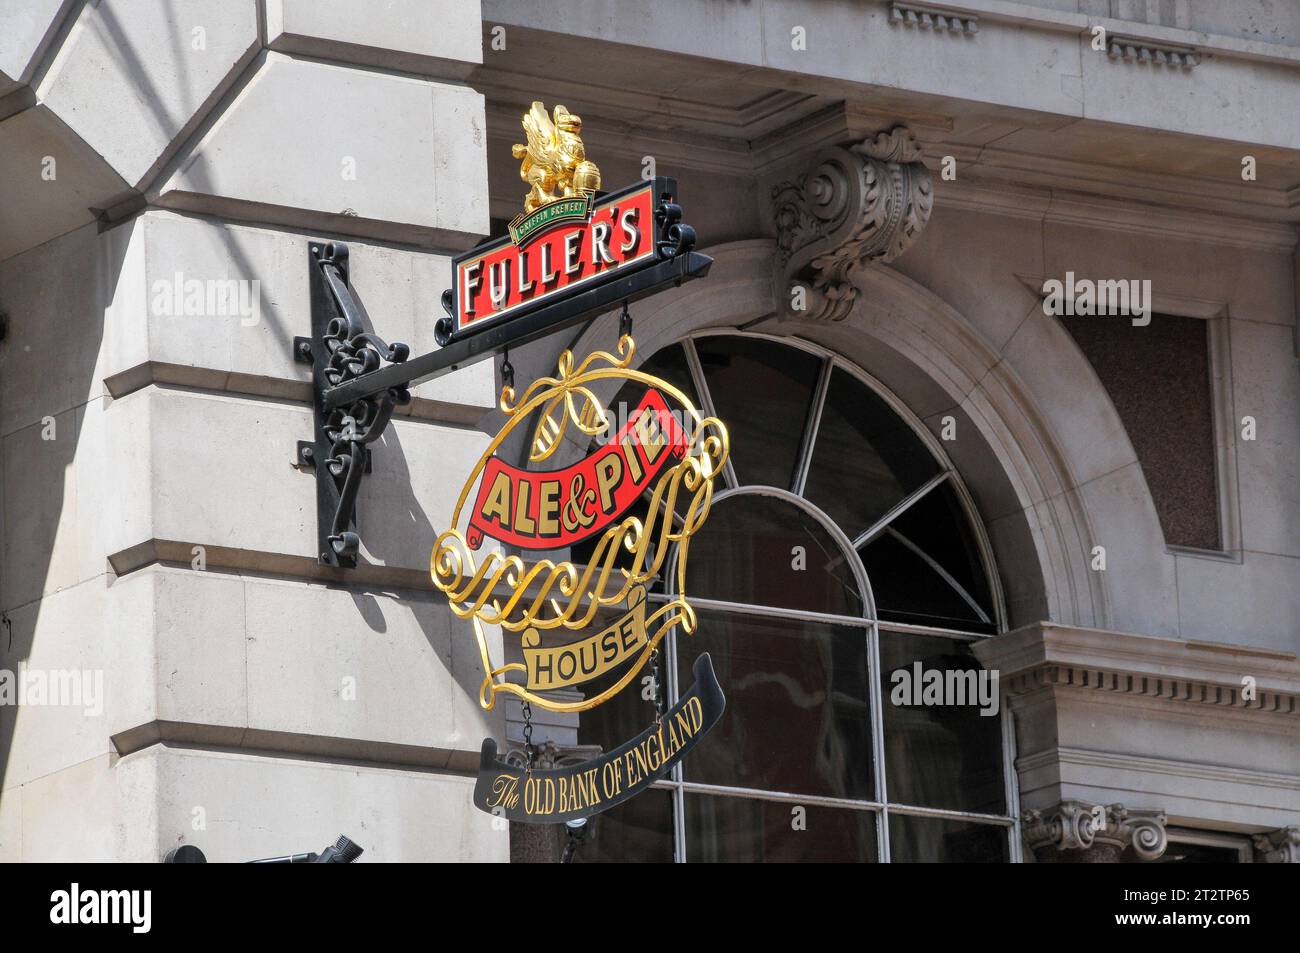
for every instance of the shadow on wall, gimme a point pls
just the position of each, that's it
(52, 481)
(391, 523)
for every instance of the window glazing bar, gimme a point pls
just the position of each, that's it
(900, 508)
(813, 424)
(909, 629)
(943, 573)
(745, 608)
(784, 797)
(706, 402)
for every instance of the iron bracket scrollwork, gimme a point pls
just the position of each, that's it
(342, 348)
(674, 237)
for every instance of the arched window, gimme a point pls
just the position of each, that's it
(839, 579)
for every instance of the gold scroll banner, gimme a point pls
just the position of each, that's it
(559, 666)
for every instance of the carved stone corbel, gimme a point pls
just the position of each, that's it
(1077, 832)
(1281, 846)
(867, 202)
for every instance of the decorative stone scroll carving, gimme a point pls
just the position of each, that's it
(862, 203)
(1075, 831)
(1281, 846)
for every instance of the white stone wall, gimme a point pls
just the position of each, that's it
(153, 526)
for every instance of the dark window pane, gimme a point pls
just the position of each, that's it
(942, 755)
(746, 552)
(1172, 425)
(937, 524)
(739, 830)
(907, 589)
(798, 715)
(639, 830)
(761, 391)
(866, 458)
(939, 840)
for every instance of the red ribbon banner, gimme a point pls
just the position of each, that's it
(554, 509)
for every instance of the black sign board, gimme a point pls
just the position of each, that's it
(563, 794)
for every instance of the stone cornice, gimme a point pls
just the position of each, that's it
(781, 132)
(1057, 758)
(1045, 18)
(1030, 184)
(1049, 655)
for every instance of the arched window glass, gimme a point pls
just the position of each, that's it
(840, 582)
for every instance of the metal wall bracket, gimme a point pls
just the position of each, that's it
(358, 378)
(342, 348)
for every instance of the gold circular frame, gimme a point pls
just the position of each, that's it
(547, 595)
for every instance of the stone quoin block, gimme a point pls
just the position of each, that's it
(380, 154)
(189, 490)
(131, 76)
(431, 37)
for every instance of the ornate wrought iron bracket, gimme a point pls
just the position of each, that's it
(341, 349)
(358, 379)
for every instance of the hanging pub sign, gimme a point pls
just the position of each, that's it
(578, 623)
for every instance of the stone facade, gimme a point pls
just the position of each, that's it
(152, 524)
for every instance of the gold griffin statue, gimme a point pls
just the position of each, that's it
(554, 161)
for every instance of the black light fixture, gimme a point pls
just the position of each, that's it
(578, 830)
(343, 851)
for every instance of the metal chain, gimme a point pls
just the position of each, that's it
(656, 685)
(507, 371)
(625, 323)
(529, 751)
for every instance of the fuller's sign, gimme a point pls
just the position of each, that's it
(576, 623)
(549, 257)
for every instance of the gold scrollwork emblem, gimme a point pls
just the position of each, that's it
(547, 597)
